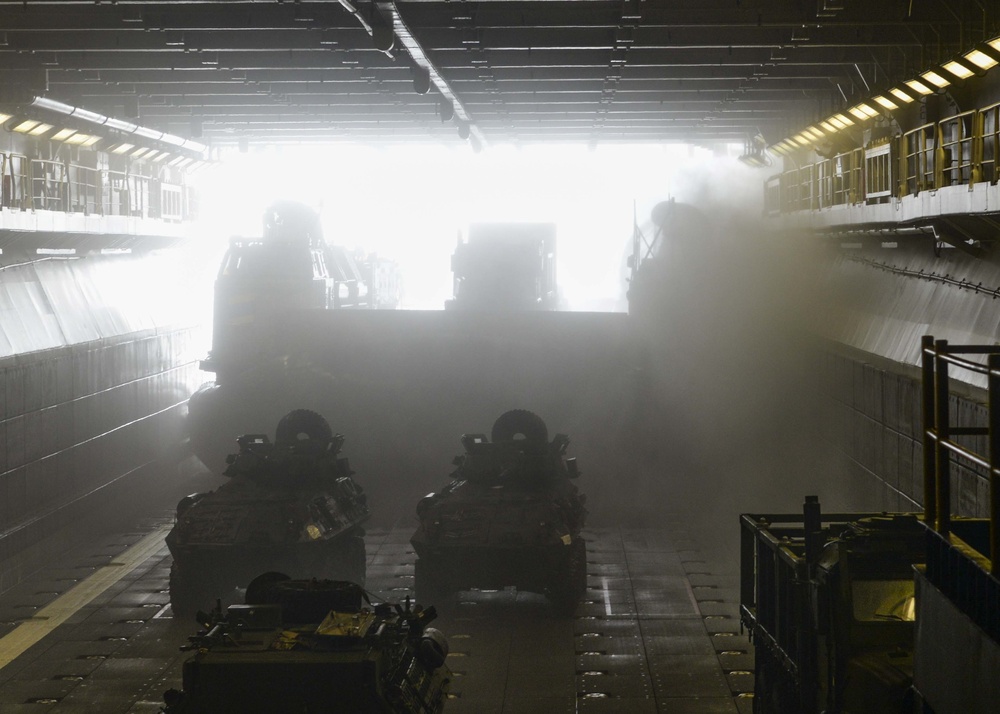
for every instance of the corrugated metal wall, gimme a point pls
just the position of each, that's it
(93, 391)
(877, 424)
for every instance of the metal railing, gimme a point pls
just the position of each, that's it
(937, 357)
(958, 150)
(47, 185)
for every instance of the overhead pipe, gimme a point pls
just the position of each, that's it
(120, 125)
(390, 12)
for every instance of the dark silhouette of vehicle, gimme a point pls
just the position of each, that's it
(510, 516)
(290, 269)
(506, 267)
(315, 646)
(289, 505)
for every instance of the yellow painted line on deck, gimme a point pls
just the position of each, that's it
(29, 632)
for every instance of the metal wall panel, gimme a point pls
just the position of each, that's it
(81, 421)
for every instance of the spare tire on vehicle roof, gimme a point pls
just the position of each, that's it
(519, 422)
(298, 422)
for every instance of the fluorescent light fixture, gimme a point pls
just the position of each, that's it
(776, 149)
(994, 43)
(151, 155)
(801, 140)
(818, 130)
(958, 69)
(63, 134)
(176, 160)
(40, 129)
(918, 87)
(139, 152)
(4, 117)
(829, 127)
(936, 79)
(843, 119)
(55, 251)
(901, 95)
(886, 102)
(162, 156)
(82, 139)
(980, 59)
(122, 148)
(814, 135)
(26, 126)
(862, 111)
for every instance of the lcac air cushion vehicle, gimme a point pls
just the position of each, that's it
(510, 516)
(314, 646)
(290, 505)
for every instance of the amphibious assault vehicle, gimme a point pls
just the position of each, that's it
(290, 505)
(510, 516)
(315, 646)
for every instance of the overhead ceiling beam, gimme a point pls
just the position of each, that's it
(390, 11)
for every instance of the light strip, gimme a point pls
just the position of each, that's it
(936, 79)
(828, 126)
(919, 87)
(886, 102)
(122, 148)
(958, 69)
(980, 59)
(81, 139)
(63, 134)
(40, 129)
(26, 126)
(901, 95)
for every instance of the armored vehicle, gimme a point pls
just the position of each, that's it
(290, 505)
(316, 646)
(510, 516)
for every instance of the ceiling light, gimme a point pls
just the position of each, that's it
(4, 117)
(63, 134)
(958, 69)
(842, 118)
(886, 102)
(162, 156)
(26, 126)
(812, 134)
(801, 140)
(139, 152)
(936, 79)
(901, 95)
(862, 111)
(919, 87)
(40, 129)
(82, 139)
(122, 148)
(994, 43)
(980, 59)
(777, 148)
(829, 126)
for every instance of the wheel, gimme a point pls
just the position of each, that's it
(298, 422)
(259, 587)
(430, 587)
(189, 593)
(570, 581)
(519, 422)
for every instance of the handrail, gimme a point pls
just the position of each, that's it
(28, 184)
(962, 149)
(936, 357)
